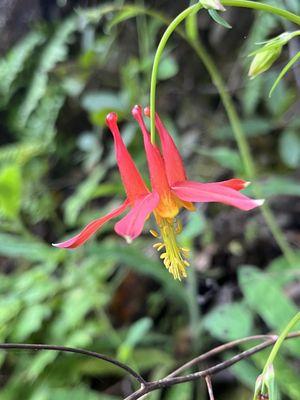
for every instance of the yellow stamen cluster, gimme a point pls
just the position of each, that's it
(173, 256)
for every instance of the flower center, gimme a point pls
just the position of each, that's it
(173, 256)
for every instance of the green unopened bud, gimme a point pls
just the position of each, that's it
(265, 386)
(264, 60)
(213, 5)
(265, 57)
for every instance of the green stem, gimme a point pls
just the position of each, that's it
(227, 102)
(162, 44)
(189, 11)
(194, 314)
(278, 344)
(263, 7)
(243, 146)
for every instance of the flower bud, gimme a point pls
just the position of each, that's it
(264, 60)
(213, 5)
(265, 386)
(268, 54)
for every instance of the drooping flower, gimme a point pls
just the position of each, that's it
(171, 191)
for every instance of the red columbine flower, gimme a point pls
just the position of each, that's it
(171, 191)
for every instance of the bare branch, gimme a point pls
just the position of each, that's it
(172, 379)
(25, 346)
(217, 350)
(209, 388)
(167, 382)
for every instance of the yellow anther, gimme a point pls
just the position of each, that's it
(174, 256)
(154, 233)
(178, 227)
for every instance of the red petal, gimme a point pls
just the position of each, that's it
(172, 158)
(236, 184)
(156, 165)
(214, 192)
(131, 178)
(91, 228)
(132, 224)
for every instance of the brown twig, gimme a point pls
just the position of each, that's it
(217, 350)
(25, 346)
(167, 382)
(171, 379)
(209, 388)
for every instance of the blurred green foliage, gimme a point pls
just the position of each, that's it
(57, 172)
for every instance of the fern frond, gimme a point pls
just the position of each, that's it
(55, 51)
(13, 64)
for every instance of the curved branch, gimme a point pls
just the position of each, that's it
(167, 382)
(220, 349)
(25, 346)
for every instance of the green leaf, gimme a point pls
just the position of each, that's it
(225, 156)
(137, 331)
(123, 15)
(18, 247)
(82, 195)
(147, 359)
(229, 321)
(279, 185)
(218, 19)
(284, 71)
(20, 153)
(265, 296)
(135, 334)
(289, 148)
(13, 64)
(30, 321)
(10, 191)
(55, 51)
(252, 95)
(284, 272)
(244, 370)
(80, 392)
(252, 127)
(10, 306)
(99, 104)
(184, 391)
(168, 67)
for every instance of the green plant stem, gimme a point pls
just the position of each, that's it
(278, 344)
(243, 146)
(226, 99)
(162, 44)
(184, 14)
(194, 314)
(239, 134)
(263, 7)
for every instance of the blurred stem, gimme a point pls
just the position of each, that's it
(163, 41)
(192, 289)
(192, 10)
(194, 40)
(263, 7)
(278, 344)
(239, 134)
